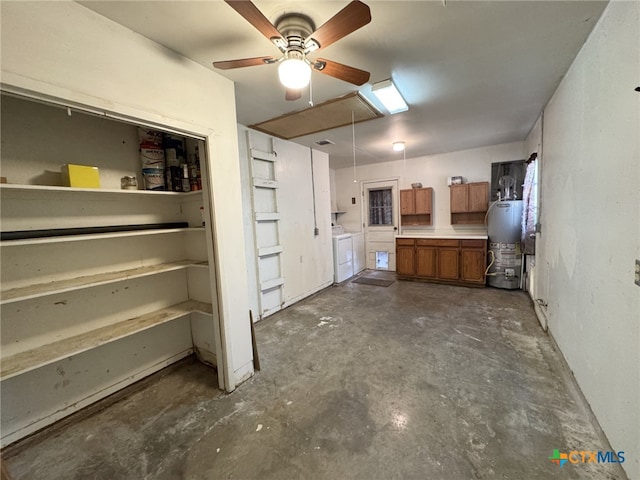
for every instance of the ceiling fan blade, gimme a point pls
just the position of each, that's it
(343, 72)
(243, 62)
(255, 17)
(292, 94)
(346, 21)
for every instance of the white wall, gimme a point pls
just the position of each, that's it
(306, 260)
(33, 151)
(591, 224)
(432, 171)
(532, 144)
(80, 57)
(332, 179)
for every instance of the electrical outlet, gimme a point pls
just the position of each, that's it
(637, 281)
(353, 200)
(509, 272)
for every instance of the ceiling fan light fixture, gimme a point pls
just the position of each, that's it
(389, 96)
(294, 73)
(398, 146)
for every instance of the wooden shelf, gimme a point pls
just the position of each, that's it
(267, 251)
(61, 286)
(468, 218)
(267, 216)
(50, 188)
(414, 220)
(96, 236)
(264, 183)
(43, 355)
(272, 283)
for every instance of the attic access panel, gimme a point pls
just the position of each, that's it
(324, 116)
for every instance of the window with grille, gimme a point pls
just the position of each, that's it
(381, 207)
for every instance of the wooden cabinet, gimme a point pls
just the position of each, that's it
(448, 264)
(473, 258)
(460, 262)
(469, 203)
(405, 257)
(425, 261)
(415, 206)
(459, 198)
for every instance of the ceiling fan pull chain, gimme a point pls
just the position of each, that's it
(311, 92)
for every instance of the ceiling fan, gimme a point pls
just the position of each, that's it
(296, 37)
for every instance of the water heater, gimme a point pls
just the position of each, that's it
(505, 256)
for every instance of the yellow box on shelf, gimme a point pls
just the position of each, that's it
(80, 176)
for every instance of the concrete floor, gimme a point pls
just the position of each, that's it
(358, 382)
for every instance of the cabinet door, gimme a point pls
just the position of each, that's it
(459, 195)
(448, 268)
(405, 262)
(407, 202)
(478, 193)
(426, 262)
(473, 265)
(423, 200)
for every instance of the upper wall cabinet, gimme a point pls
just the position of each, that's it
(469, 203)
(415, 206)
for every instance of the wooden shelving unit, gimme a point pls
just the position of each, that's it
(96, 236)
(144, 295)
(93, 191)
(62, 286)
(39, 356)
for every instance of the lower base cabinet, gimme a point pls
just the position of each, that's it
(473, 264)
(459, 262)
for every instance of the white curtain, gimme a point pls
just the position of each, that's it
(380, 207)
(530, 208)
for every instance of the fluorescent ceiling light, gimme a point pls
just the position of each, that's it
(398, 146)
(389, 96)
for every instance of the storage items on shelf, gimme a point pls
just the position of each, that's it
(129, 182)
(192, 172)
(80, 176)
(152, 159)
(169, 162)
(175, 156)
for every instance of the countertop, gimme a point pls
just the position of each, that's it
(447, 235)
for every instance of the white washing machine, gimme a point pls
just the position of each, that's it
(342, 255)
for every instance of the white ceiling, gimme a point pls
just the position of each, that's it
(474, 73)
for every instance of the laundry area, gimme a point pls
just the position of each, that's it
(361, 255)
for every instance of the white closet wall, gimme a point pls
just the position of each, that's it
(85, 315)
(305, 262)
(134, 78)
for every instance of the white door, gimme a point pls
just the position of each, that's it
(380, 219)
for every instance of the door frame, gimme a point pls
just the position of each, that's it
(364, 214)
